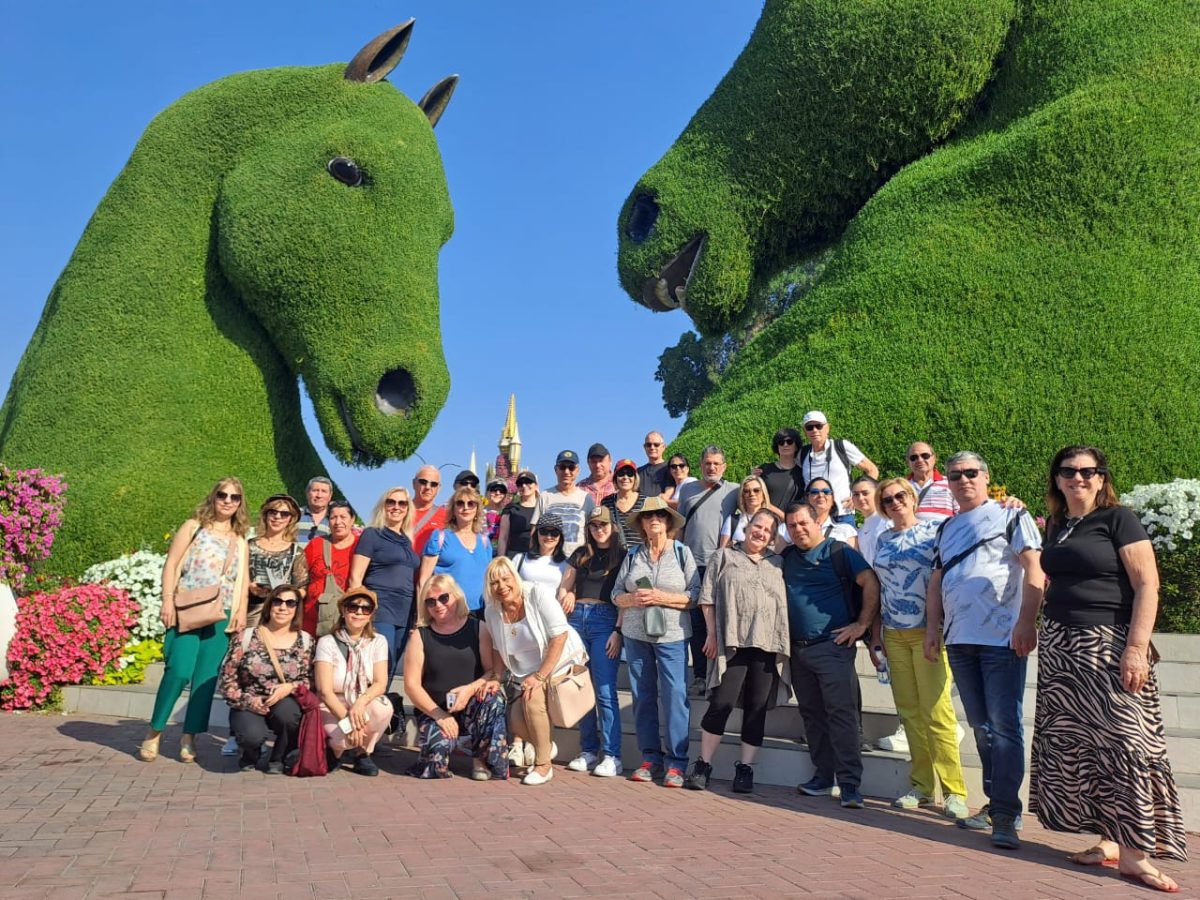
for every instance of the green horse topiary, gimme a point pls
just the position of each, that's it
(270, 225)
(1011, 193)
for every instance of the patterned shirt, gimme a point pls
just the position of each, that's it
(904, 561)
(248, 677)
(934, 500)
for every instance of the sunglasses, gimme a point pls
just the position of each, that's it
(290, 604)
(962, 473)
(465, 504)
(469, 482)
(890, 499)
(225, 495)
(627, 473)
(818, 491)
(787, 442)
(751, 490)
(658, 514)
(652, 444)
(497, 490)
(1087, 473)
(525, 482)
(813, 426)
(549, 532)
(677, 466)
(440, 599)
(425, 482)
(363, 609)
(278, 513)
(913, 457)
(394, 504)
(599, 523)
(566, 467)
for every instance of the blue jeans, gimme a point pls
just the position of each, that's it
(396, 636)
(991, 685)
(658, 676)
(595, 622)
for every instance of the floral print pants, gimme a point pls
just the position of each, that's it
(482, 729)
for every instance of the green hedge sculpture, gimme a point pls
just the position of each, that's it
(272, 224)
(1011, 192)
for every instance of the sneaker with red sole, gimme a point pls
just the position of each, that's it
(647, 773)
(673, 778)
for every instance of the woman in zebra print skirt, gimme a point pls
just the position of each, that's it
(1099, 761)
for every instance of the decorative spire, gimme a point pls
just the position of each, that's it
(510, 437)
(471, 465)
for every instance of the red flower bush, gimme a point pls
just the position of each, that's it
(65, 637)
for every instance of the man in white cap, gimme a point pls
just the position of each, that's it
(832, 460)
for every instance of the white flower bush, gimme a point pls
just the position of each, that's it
(1170, 512)
(141, 575)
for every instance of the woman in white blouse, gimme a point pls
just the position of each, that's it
(533, 642)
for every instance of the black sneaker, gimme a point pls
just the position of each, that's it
(743, 778)
(275, 767)
(697, 779)
(398, 715)
(1004, 832)
(332, 761)
(290, 759)
(248, 763)
(816, 787)
(364, 765)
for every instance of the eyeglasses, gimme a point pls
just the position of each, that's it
(1087, 473)
(391, 503)
(898, 497)
(290, 604)
(425, 482)
(524, 482)
(677, 466)
(751, 490)
(786, 442)
(278, 513)
(626, 473)
(813, 426)
(913, 457)
(442, 599)
(816, 491)
(960, 474)
(225, 495)
(363, 609)
(549, 533)
(465, 504)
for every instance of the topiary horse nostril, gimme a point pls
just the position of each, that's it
(642, 218)
(396, 392)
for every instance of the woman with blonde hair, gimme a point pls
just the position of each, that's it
(209, 550)
(351, 673)
(461, 550)
(275, 556)
(385, 562)
(448, 679)
(751, 498)
(534, 645)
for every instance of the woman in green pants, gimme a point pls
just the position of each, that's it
(200, 556)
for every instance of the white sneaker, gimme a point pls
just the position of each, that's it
(894, 743)
(609, 767)
(531, 753)
(230, 748)
(959, 731)
(516, 753)
(535, 778)
(584, 762)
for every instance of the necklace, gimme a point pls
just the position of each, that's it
(513, 618)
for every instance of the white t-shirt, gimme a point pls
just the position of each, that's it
(376, 650)
(525, 656)
(828, 465)
(839, 531)
(981, 595)
(571, 510)
(868, 535)
(542, 570)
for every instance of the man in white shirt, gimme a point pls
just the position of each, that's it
(832, 460)
(569, 503)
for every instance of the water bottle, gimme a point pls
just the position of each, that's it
(881, 671)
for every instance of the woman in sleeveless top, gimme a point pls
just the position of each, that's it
(516, 519)
(448, 679)
(208, 549)
(275, 557)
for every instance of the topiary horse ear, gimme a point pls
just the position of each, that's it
(437, 98)
(382, 54)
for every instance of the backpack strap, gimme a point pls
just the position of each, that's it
(679, 554)
(1006, 535)
(839, 447)
(246, 635)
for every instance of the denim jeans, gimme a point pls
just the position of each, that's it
(396, 636)
(991, 685)
(595, 623)
(658, 676)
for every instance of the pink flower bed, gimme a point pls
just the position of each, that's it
(31, 505)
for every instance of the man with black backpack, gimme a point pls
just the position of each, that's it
(833, 600)
(832, 459)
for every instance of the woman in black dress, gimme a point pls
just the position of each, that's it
(1099, 763)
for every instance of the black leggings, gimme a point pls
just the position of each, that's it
(251, 729)
(751, 678)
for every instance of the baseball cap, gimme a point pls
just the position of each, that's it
(815, 415)
(567, 456)
(625, 464)
(497, 484)
(597, 449)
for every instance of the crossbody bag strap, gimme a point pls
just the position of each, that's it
(925, 490)
(262, 637)
(691, 512)
(424, 520)
(1005, 535)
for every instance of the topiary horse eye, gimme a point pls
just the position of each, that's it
(346, 171)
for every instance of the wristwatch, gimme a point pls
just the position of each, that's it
(617, 630)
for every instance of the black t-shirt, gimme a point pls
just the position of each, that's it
(784, 486)
(450, 659)
(594, 581)
(519, 519)
(1088, 582)
(653, 479)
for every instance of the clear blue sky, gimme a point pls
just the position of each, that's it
(561, 107)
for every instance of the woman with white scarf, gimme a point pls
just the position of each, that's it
(351, 668)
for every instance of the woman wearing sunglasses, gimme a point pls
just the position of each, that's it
(209, 549)
(516, 519)
(385, 563)
(752, 497)
(259, 700)
(623, 505)
(545, 562)
(275, 557)
(461, 550)
(819, 495)
(351, 672)
(783, 477)
(921, 689)
(680, 470)
(448, 680)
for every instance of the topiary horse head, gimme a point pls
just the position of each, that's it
(1010, 193)
(270, 225)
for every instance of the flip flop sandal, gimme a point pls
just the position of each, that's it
(1093, 856)
(1152, 879)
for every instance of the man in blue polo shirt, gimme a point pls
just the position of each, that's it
(824, 626)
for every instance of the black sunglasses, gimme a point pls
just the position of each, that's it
(786, 442)
(897, 497)
(913, 457)
(522, 482)
(365, 608)
(627, 473)
(677, 466)
(813, 426)
(1087, 472)
(443, 599)
(425, 482)
(963, 473)
(566, 467)
(550, 532)
(225, 495)
(290, 604)
(469, 482)
(391, 503)
(272, 513)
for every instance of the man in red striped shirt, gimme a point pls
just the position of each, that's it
(934, 500)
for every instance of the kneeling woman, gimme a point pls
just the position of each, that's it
(351, 673)
(446, 681)
(260, 674)
(533, 641)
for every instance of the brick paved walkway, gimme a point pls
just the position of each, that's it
(81, 817)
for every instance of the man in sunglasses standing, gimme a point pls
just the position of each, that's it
(427, 516)
(654, 477)
(568, 502)
(985, 593)
(935, 502)
(834, 461)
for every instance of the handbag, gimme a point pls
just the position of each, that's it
(331, 593)
(201, 606)
(310, 739)
(569, 697)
